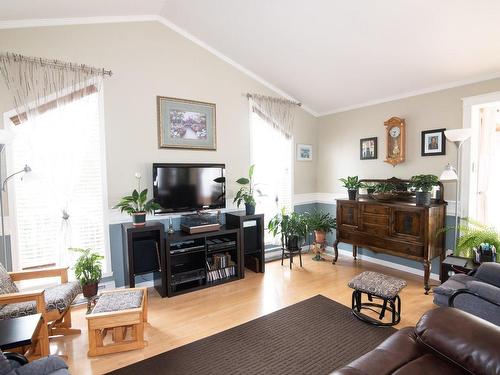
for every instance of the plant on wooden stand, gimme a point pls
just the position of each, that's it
(321, 223)
(291, 227)
(88, 271)
(137, 204)
(246, 192)
(352, 184)
(423, 184)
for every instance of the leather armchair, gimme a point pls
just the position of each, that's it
(444, 341)
(477, 293)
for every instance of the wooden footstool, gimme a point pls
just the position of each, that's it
(118, 311)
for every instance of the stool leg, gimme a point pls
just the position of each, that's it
(382, 312)
(282, 255)
(358, 300)
(353, 300)
(393, 306)
(291, 259)
(300, 256)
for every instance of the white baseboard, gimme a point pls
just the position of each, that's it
(385, 263)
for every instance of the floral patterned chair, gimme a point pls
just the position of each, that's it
(53, 303)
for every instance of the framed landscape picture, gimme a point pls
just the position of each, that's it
(433, 142)
(304, 152)
(368, 148)
(186, 124)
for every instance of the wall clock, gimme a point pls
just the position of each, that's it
(395, 130)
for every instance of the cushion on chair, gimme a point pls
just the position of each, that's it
(57, 297)
(6, 283)
(4, 364)
(377, 284)
(44, 366)
(443, 292)
(117, 301)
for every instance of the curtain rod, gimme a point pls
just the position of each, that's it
(55, 63)
(279, 99)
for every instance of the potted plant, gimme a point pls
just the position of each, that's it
(292, 228)
(137, 204)
(88, 271)
(370, 187)
(321, 223)
(423, 184)
(472, 235)
(352, 184)
(246, 192)
(384, 191)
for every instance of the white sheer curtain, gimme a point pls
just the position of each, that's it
(488, 180)
(272, 154)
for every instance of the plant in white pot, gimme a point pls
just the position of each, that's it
(137, 204)
(88, 271)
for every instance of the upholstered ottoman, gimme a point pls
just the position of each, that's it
(377, 286)
(118, 311)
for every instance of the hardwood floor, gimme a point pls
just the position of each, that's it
(183, 319)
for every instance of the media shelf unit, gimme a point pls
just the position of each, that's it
(201, 260)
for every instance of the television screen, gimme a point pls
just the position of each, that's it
(189, 187)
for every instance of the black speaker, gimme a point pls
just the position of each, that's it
(146, 256)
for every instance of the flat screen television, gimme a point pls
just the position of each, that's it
(189, 187)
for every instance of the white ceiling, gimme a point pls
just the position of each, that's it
(328, 54)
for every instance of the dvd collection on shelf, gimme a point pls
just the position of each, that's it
(220, 266)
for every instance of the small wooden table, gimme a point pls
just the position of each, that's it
(22, 332)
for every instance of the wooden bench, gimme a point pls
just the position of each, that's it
(122, 313)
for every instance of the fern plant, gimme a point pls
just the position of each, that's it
(88, 267)
(472, 234)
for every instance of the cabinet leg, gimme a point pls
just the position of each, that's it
(336, 250)
(355, 252)
(427, 272)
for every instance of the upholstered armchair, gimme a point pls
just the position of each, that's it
(477, 293)
(53, 303)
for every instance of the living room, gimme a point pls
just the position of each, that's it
(318, 175)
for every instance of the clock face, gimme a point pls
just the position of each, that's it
(395, 132)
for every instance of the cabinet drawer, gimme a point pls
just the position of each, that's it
(377, 230)
(375, 209)
(375, 219)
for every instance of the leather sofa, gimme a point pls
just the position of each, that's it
(444, 341)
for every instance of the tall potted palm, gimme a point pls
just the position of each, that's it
(137, 204)
(88, 271)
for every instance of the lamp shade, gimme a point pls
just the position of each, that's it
(458, 135)
(449, 173)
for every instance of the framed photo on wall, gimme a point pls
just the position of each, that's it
(368, 148)
(433, 142)
(304, 152)
(187, 124)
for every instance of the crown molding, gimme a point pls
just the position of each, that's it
(46, 22)
(17, 24)
(409, 94)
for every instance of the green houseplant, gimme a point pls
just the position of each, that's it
(472, 234)
(321, 223)
(423, 184)
(384, 191)
(88, 271)
(246, 192)
(291, 227)
(137, 204)
(352, 184)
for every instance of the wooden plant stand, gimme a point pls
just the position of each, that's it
(117, 322)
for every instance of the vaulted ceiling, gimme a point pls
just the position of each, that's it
(329, 54)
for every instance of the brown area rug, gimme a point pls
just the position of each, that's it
(315, 336)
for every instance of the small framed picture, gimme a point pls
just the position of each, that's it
(304, 152)
(368, 148)
(433, 142)
(186, 124)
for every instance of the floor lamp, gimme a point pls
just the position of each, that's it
(457, 136)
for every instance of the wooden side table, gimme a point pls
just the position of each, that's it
(27, 333)
(454, 264)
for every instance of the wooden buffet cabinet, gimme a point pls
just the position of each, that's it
(399, 228)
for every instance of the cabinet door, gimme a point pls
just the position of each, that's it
(347, 215)
(408, 224)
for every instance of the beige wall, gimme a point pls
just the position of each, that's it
(339, 135)
(147, 60)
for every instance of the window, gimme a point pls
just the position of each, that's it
(272, 156)
(61, 202)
